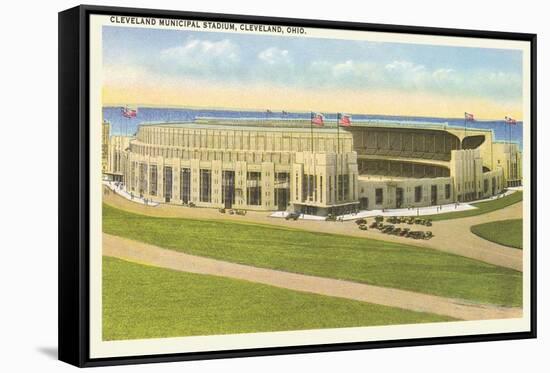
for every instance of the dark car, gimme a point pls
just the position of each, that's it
(292, 215)
(361, 221)
(417, 235)
(404, 232)
(396, 231)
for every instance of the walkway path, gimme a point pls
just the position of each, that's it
(451, 236)
(148, 254)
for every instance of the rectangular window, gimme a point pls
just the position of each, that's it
(485, 185)
(447, 191)
(142, 178)
(304, 187)
(296, 185)
(254, 188)
(321, 189)
(345, 186)
(154, 180)
(206, 185)
(228, 188)
(353, 186)
(329, 189)
(310, 186)
(379, 196)
(167, 178)
(185, 185)
(417, 194)
(340, 188)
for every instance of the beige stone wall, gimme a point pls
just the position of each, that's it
(248, 152)
(117, 154)
(389, 189)
(509, 158)
(321, 179)
(105, 137)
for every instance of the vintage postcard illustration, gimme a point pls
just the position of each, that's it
(266, 185)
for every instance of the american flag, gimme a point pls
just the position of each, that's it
(468, 117)
(128, 113)
(344, 120)
(510, 121)
(318, 119)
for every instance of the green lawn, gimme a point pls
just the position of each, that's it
(147, 302)
(328, 255)
(482, 207)
(504, 232)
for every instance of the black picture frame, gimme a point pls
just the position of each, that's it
(74, 191)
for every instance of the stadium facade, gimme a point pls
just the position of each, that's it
(288, 165)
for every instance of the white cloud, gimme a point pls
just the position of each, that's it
(405, 66)
(201, 57)
(274, 55)
(345, 68)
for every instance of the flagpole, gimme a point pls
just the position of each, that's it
(510, 149)
(311, 187)
(338, 157)
(462, 145)
(464, 131)
(311, 130)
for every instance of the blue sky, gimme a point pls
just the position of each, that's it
(492, 75)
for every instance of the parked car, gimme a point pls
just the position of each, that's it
(378, 219)
(396, 231)
(416, 235)
(404, 232)
(391, 219)
(292, 215)
(330, 217)
(363, 227)
(361, 221)
(222, 210)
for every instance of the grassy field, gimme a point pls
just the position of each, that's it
(504, 232)
(482, 207)
(328, 255)
(147, 302)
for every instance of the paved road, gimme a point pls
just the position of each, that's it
(152, 255)
(451, 236)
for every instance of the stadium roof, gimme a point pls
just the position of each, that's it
(299, 125)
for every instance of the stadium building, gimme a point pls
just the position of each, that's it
(288, 165)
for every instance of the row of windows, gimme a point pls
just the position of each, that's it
(366, 140)
(241, 140)
(418, 194)
(311, 193)
(205, 155)
(138, 174)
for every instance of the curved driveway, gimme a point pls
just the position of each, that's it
(152, 255)
(451, 236)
